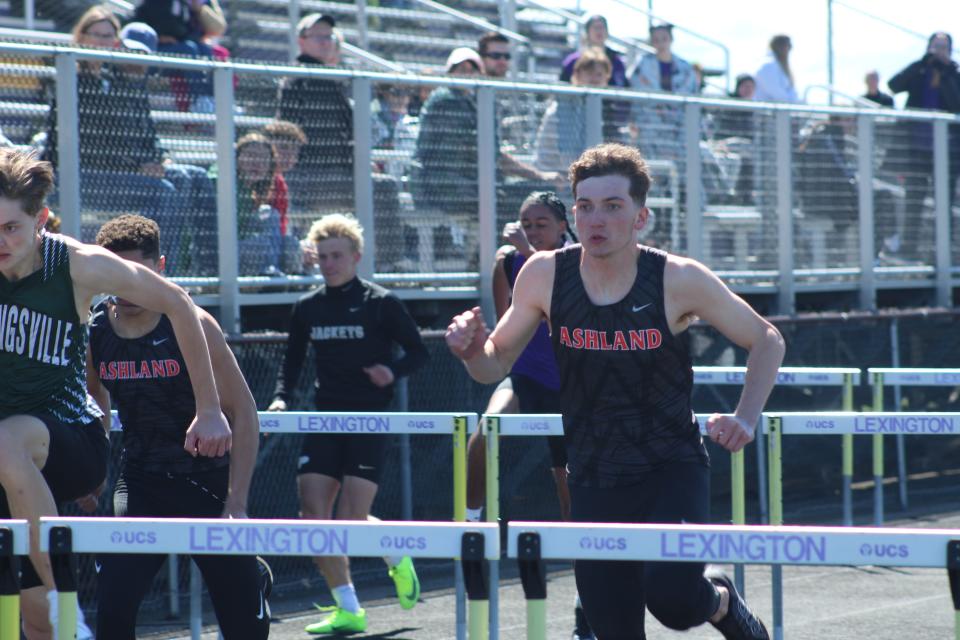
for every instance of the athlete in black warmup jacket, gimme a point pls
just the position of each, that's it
(353, 326)
(135, 363)
(617, 312)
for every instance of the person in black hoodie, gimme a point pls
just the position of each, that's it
(323, 179)
(932, 82)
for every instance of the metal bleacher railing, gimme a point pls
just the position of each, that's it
(753, 196)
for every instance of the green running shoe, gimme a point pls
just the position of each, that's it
(408, 585)
(339, 621)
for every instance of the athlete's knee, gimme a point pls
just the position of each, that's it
(23, 439)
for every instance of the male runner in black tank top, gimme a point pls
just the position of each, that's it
(135, 363)
(52, 447)
(616, 312)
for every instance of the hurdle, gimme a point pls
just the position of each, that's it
(795, 377)
(846, 423)
(881, 377)
(474, 543)
(379, 423)
(14, 543)
(533, 542)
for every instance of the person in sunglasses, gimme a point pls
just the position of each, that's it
(494, 48)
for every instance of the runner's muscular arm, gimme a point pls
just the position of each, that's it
(489, 358)
(693, 290)
(238, 405)
(95, 270)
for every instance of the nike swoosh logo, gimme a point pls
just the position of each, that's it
(642, 307)
(365, 467)
(97, 566)
(354, 309)
(159, 342)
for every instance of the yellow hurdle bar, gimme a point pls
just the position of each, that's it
(491, 432)
(775, 470)
(460, 515)
(13, 543)
(878, 454)
(536, 620)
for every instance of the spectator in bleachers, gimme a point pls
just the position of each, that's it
(663, 71)
(322, 181)
(932, 82)
(494, 48)
(734, 129)
(774, 79)
(258, 221)
(874, 94)
(287, 140)
(119, 156)
(393, 126)
(561, 137)
(183, 27)
(595, 34)
(445, 167)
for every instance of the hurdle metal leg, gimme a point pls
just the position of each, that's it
(533, 577)
(739, 510)
(476, 577)
(460, 515)
(878, 458)
(847, 453)
(196, 602)
(64, 565)
(491, 429)
(9, 587)
(776, 517)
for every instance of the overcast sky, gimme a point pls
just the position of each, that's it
(745, 26)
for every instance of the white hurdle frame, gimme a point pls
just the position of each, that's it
(897, 377)
(368, 423)
(533, 542)
(848, 424)
(63, 538)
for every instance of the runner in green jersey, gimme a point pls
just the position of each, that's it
(52, 445)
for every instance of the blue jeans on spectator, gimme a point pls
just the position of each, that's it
(260, 245)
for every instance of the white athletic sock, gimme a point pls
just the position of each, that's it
(346, 597)
(576, 602)
(392, 561)
(474, 515)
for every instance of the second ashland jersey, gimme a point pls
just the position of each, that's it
(625, 379)
(352, 326)
(150, 388)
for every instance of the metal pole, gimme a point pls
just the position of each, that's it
(173, 585)
(487, 195)
(760, 439)
(293, 37)
(943, 193)
(594, 124)
(847, 454)
(460, 515)
(68, 144)
(196, 602)
(738, 507)
(363, 201)
(786, 293)
(868, 254)
(694, 203)
(362, 29)
(776, 518)
(406, 469)
(901, 444)
(491, 427)
(29, 14)
(830, 49)
(228, 263)
(877, 457)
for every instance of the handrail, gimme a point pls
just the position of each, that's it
(836, 92)
(582, 20)
(477, 22)
(34, 35)
(113, 56)
(357, 52)
(695, 34)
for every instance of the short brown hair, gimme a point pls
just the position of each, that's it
(285, 130)
(487, 38)
(613, 159)
(591, 58)
(131, 233)
(25, 179)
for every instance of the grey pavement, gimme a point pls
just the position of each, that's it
(841, 603)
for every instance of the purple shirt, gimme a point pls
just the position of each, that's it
(537, 360)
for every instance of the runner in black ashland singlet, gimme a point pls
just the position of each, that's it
(616, 312)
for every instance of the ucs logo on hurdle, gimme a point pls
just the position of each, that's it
(133, 537)
(403, 543)
(603, 543)
(879, 550)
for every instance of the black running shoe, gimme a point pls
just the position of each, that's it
(265, 582)
(581, 628)
(740, 623)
